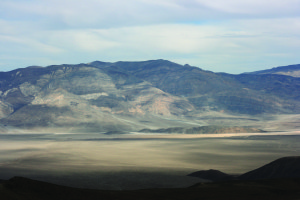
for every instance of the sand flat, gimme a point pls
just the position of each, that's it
(208, 135)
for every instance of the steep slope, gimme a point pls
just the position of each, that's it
(287, 167)
(239, 94)
(81, 96)
(131, 96)
(285, 87)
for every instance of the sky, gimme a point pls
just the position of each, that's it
(232, 36)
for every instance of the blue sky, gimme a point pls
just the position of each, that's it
(231, 36)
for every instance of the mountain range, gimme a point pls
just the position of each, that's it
(131, 96)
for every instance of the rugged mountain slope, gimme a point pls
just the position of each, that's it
(101, 96)
(81, 95)
(285, 87)
(243, 94)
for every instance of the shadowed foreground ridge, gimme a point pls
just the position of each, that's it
(19, 188)
(213, 175)
(287, 167)
(282, 168)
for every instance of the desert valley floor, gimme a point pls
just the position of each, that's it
(137, 161)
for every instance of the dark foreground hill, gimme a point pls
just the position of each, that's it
(282, 168)
(213, 175)
(272, 187)
(24, 189)
(287, 167)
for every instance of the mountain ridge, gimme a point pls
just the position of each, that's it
(289, 70)
(104, 96)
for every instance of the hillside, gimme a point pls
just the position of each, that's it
(287, 167)
(282, 168)
(19, 188)
(212, 175)
(290, 70)
(206, 90)
(130, 96)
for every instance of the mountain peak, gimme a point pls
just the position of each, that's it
(98, 63)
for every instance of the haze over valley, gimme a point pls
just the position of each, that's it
(110, 162)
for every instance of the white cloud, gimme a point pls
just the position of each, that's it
(26, 44)
(114, 13)
(255, 7)
(213, 33)
(79, 40)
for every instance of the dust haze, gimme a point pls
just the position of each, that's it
(127, 162)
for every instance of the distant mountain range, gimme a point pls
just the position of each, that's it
(204, 129)
(130, 96)
(290, 70)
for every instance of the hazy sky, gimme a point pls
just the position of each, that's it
(219, 35)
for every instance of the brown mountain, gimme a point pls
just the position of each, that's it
(82, 96)
(131, 96)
